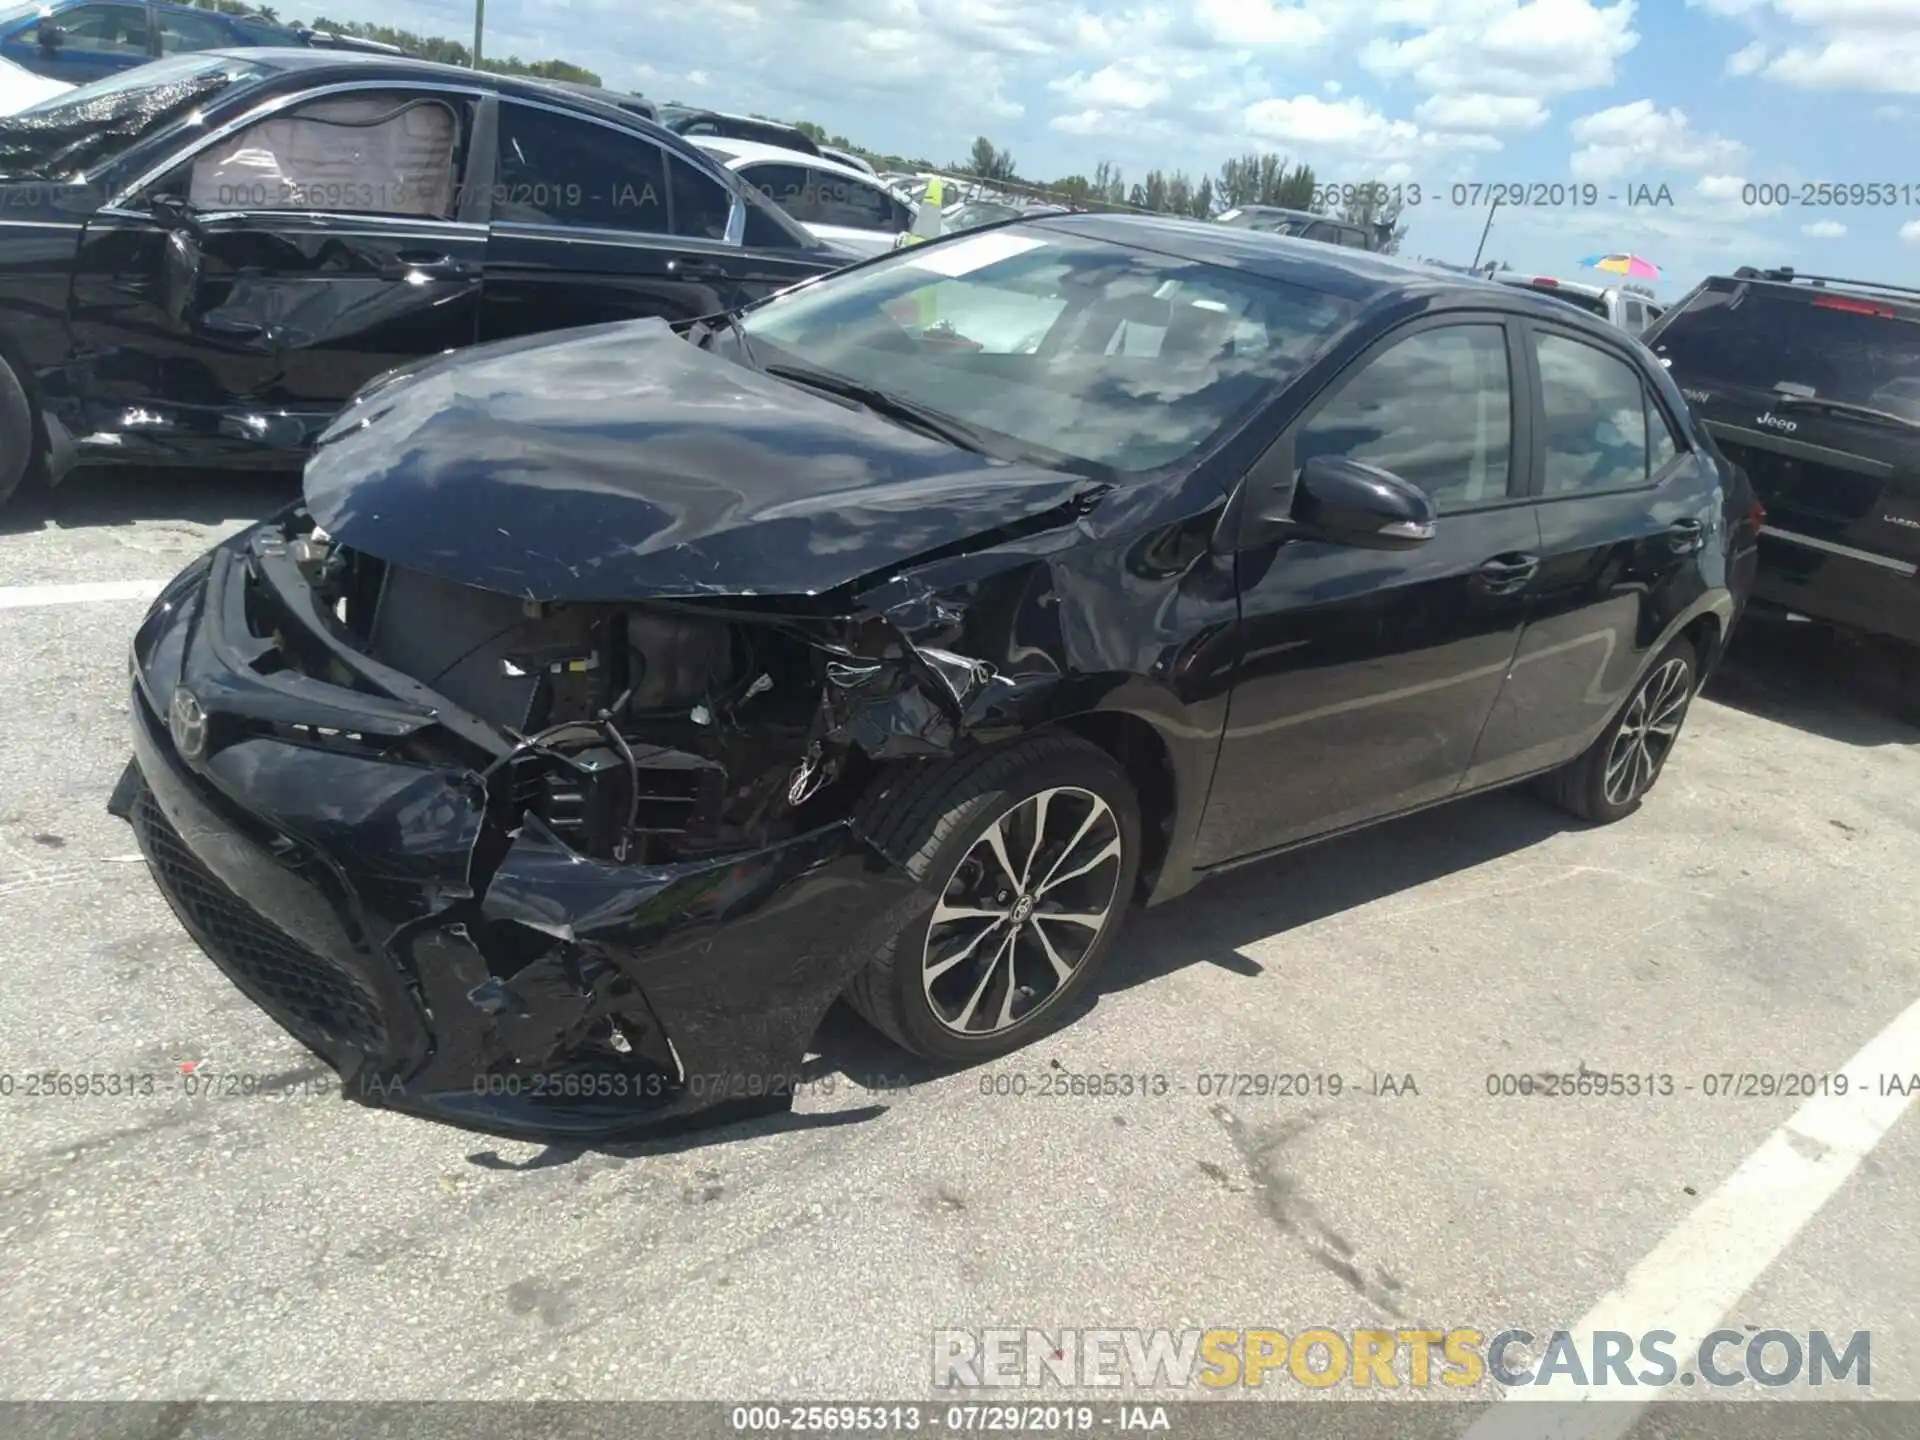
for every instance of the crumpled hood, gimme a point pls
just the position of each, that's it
(621, 462)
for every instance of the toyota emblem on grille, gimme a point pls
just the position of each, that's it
(188, 724)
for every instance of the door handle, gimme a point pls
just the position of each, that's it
(689, 269)
(1504, 574)
(1686, 536)
(430, 266)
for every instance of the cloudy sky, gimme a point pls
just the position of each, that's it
(1707, 98)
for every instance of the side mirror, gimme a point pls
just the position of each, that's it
(1351, 503)
(50, 35)
(172, 211)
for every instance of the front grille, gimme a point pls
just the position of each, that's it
(320, 1003)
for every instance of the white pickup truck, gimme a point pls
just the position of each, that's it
(1631, 307)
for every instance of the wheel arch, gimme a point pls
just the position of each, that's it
(1145, 758)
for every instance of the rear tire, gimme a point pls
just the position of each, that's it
(22, 445)
(1609, 781)
(1012, 840)
(1906, 700)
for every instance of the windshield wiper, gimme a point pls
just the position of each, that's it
(904, 412)
(711, 325)
(1847, 408)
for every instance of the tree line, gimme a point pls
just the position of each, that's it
(1255, 178)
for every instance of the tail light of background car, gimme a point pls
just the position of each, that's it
(1853, 307)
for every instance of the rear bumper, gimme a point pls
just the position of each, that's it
(1828, 581)
(450, 968)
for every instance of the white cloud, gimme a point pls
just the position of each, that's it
(1262, 23)
(1832, 44)
(1483, 112)
(1910, 233)
(1537, 48)
(1853, 62)
(1126, 85)
(1349, 130)
(1307, 120)
(1637, 138)
(1824, 229)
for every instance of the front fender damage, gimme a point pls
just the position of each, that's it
(612, 980)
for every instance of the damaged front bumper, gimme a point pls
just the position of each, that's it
(447, 957)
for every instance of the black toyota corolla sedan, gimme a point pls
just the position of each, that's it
(617, 700)
(203, 258)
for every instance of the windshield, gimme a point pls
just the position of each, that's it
(12, 14)
(79, 129)
(1072, 349)
(1817, 345)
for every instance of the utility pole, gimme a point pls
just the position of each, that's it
(479, 22)
(1484, 232)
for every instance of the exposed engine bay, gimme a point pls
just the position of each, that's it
(649, 733)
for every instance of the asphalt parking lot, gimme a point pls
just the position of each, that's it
(1758, 916)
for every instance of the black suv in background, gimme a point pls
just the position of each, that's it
(1812, 385)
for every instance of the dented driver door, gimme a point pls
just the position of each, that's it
(239, 299)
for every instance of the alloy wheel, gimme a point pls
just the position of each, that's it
(1024, 908)
(1647, 732)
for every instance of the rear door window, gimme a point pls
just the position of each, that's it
(106, 29)
(845, 201)
(787, 186)
(384, 152)
(701, 204)
(1593, 408)
(182, 32)
(558, 169)
(1824, 345)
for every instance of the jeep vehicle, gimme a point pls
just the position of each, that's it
(1631, 307)
(1812, 385)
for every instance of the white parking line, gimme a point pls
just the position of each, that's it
(1699, 1271)
(22, 597)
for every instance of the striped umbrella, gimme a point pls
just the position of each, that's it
(1634, 267)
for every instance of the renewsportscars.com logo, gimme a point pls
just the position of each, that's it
(1460, 1359)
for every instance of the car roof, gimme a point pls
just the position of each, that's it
(321, 66)
(1286, 212)
(734, 153)
(358, 64)
(597, 92)
(1578, 287)
(1790, 281)
(1362, 276)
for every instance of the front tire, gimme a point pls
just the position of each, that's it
(1033, 850)
(22, 448)
(1609, 781)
